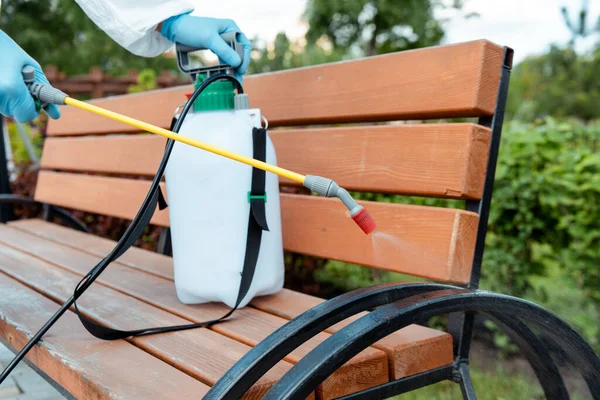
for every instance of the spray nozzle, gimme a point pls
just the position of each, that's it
(328, 188)
(43, 94)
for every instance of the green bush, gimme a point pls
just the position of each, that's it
(546, 209)
(543, 241)
(146, 80)
(20, 154)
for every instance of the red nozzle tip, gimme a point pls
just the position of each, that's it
(364, 220)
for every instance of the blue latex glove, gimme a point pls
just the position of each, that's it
(15, 100)
(205, 32)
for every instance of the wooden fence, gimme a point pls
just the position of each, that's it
(96, 84)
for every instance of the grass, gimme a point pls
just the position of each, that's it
(488, 386)
(558, 293)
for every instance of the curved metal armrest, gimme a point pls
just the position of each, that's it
(333, 352)
(60, 212)
(276, 346)
(420, 300)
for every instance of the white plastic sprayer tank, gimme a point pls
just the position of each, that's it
(209, 208)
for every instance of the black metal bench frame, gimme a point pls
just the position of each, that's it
(401, 304)
(396, 306)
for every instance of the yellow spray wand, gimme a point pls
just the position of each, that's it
(323, 186)
(184, 139)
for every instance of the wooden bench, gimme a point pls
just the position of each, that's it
(85, 156)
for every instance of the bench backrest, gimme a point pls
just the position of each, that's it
(448, 160)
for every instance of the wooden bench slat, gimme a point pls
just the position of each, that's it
(411, 350)
(138, 258)
(108, 196)
(198, 353)
(367, 369)
(442, 160)
(431, 242)
(438, 82)
(86, 367)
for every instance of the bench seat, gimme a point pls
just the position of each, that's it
(42, 262)
(99, 166)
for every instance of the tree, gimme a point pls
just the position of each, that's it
(272, 60)
(372, 27)
(560, 83)
(285, 54)
(579, 28)
(58, 32)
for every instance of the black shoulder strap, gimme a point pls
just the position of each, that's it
(257, 222)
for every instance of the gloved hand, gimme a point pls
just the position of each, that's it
(205, 32)
(15, 100)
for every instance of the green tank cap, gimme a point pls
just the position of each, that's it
(217, 96)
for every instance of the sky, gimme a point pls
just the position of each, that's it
(528, 26)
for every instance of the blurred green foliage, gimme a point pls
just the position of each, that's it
(546, 207)
(370, 27)
(492, 381)
(340, 30)
(497, 384)
(146, 80)
(544, 229)
(58, 32)
(19, 150)
(285, 54)
(560, 83)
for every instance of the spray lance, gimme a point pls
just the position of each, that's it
(44, 94)
(320, 185)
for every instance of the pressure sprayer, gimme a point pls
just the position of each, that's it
(222, 121)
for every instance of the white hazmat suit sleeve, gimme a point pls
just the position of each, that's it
(132, 23)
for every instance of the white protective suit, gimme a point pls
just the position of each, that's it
(132, 23)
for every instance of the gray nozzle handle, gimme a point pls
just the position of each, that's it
(229, 37)
(28, 73)
(183, 51)
(46, 94)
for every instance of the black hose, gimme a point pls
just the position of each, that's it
(120, 247)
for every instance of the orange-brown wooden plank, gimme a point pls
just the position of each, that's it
(458, 80)
(431, 242)
(250, 326)
(446, 160)
(144, 260)
(86, 367)
(198, 353)
(412, 350)
(108, 196)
